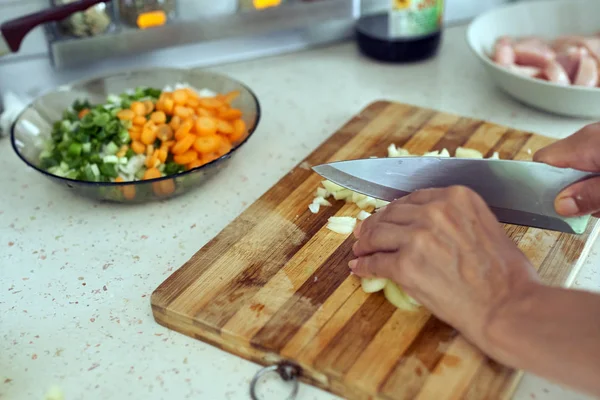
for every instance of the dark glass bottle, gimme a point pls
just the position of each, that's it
(410, 31)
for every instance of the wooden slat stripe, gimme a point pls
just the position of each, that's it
(298, 309)
(435, 129)
(348, 344)
(492, 381)
(186, 275)
(451, 377)
(458, 135)
(412, 370)
(386, 348)
(255, 311)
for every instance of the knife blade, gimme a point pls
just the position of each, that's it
(518, 192)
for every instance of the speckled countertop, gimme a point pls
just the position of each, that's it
(76, 277)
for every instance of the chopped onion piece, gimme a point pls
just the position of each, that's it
(314, 208)
(462, 152)
(342, 194)
(444, 153)
(432, 154)
(321, 201)
(366, 203)
(397, 297)
(356, 197)
(381, 203)
(393, 151)
(362, 215)
(321, 192)
(373, 285)
(495, 156)
(332, 187)
(342, 225)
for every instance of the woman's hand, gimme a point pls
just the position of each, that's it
(446, 249)
(579, 151)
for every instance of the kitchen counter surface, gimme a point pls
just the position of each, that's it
(76, 276)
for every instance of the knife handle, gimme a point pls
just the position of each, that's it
(14, 31)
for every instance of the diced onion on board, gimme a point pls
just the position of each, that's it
(362, 215)
(341, 225)
(463, 152)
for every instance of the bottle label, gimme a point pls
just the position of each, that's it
(414, 18)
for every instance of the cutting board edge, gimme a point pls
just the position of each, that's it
(258, 356)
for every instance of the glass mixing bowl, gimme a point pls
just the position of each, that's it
(33, 128)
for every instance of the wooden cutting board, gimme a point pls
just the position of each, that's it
(274, 284)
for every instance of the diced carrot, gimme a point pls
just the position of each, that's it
(168, 144)
(203, 112)
(158, 117)
(164, 132)
(186, 157)
(183, 112)
(195, 164)
(239, 130)
(126, 115)
(128, 191)
(152, 160)
(164, 95)
(135, 134)
(191, 93)
(162, 155)
(139, 120)
(209, 157)
(207, 144)
(149, 150)
(83, 113)
(175, 123)
(149, 133)
(122, 151)
(149, 105)
(180, 97)
(224, 148)
(231, 96)
(168, 106)
(192, 103)
(184, 129)
(230, 114)
(138, 108)
(210, 102)
(160, 106)
(138, 147)
(164, 187)
(224, 127)
(184, 144)
(206, 126)
(152, 173)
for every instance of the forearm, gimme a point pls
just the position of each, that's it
(553, 333)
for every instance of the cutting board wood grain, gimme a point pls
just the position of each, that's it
(274, 284)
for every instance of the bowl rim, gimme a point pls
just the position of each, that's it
(139, 182)
(480, 53)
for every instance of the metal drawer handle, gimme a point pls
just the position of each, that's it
(288, 372)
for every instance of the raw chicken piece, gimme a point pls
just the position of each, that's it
(503, 52)
(592, 44)
(533, 52)
(555, 73)
(587, 75)
(530, 72)
(569, 58)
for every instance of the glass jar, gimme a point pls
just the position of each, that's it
(145, 14)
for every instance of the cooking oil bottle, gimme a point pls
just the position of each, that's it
(410, 30)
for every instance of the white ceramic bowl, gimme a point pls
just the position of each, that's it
(546, 19)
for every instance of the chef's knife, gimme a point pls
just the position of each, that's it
(518, 192)
(14, 31)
